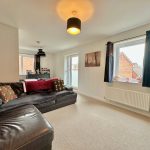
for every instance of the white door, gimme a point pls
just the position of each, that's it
(71, 71)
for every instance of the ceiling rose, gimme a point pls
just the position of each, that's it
(83, 7)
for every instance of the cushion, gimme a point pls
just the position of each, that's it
(59, 85)
(0, 101)
(24, 86)
(34, 86)
(7, 94)
(16, 86)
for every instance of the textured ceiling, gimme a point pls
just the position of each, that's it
(42, 20)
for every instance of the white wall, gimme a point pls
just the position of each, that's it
(9, 51)
(91, 80)
(46, 62)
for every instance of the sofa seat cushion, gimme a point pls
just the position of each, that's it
(62, 95)
(24, 128)
(34, 99)
(37, 98)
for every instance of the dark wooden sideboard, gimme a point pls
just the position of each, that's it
(38, 76)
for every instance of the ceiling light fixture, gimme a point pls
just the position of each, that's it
(74, 25)
(40, 50)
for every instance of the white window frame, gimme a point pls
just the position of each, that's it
(24, 55)
(125, 43)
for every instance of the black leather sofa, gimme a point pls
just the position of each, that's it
(22, 126)
(43, 100)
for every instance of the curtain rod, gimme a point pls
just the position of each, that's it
(129, 38)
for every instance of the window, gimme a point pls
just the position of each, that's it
(26, 64)
(71, 70)
(128, 56)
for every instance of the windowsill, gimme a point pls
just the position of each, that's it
(126, 85)
(129, 86)
(131, 83)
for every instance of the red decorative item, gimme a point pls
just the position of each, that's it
(33, 86)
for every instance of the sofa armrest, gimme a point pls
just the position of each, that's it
(34, 131)
(68, 88)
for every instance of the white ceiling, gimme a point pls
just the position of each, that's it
(38, 20)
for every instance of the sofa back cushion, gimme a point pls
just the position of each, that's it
(16, 86)
(7, 94)
(1, 102)
(40, 85)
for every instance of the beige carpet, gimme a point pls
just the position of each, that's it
(92, 125)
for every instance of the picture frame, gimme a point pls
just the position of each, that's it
(92, 59)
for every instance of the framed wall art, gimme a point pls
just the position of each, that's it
(92, 59)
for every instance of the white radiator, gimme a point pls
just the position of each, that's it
(131, 98)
